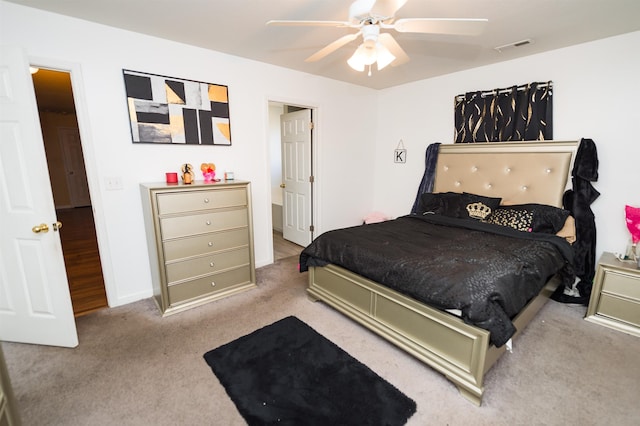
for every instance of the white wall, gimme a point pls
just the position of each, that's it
(596, 91)
(97, 54)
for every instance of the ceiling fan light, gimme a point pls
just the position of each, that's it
(365, 54)
(385, 57)
(355, 62)
(368, 52)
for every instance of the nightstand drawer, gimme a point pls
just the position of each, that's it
(208, 285)
(621, 284)
(620, 309)
(171, 203)
(186, 269)
(183, 226)
(208, 243)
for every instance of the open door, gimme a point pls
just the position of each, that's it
(297, 178)
(35, 305)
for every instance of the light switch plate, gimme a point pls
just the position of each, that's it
(113, 183)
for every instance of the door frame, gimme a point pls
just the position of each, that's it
(90, 161)
(315, 137)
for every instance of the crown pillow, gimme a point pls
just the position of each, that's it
(458, 205)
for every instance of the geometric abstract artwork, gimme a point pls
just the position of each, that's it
(166, 110)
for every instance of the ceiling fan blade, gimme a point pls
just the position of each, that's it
(331, 47)
(386, 8)
(309, 23)
(440, 26)
(390, 43)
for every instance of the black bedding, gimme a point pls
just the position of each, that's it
(489, 272)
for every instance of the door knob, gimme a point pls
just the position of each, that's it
(43, 227)
(57, 226)
(282, 185)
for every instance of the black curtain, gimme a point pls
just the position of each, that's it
(516, 113)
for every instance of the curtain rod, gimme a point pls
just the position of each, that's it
(505, 90)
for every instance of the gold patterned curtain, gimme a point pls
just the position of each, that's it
(517, 113)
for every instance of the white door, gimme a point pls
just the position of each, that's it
(296, 176)
(74, 166)
(35, 305)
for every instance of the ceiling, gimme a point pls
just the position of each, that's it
(237, 27)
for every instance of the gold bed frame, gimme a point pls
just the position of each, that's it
(519, 172)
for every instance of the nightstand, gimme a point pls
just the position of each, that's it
(615, 296)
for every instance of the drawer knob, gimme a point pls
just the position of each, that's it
(210, 244)
(213, 283)
(206, 200)
(208, 222)
(212, 264)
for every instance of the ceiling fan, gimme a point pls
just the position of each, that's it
(369, 17)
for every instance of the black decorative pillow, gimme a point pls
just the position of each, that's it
(458, 205)
(521, 220)
(480, 207)
(530, 217)
(433, 202)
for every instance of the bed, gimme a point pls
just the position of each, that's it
(515, 173)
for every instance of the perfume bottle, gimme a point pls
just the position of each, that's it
(630, 252)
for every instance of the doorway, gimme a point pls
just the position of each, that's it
(291, 178)
(65, 160)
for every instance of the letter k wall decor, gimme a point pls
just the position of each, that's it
(166, 110)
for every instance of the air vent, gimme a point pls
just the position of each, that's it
(513, 45)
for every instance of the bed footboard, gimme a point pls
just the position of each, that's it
(438, 339)
(443, 341)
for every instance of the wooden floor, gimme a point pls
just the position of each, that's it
(82, 260)
(283, 248)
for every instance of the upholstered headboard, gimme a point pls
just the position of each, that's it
(519, 172)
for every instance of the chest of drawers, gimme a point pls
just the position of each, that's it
(615, 296)
(200, 240)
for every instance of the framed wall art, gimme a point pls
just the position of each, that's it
(167, 110)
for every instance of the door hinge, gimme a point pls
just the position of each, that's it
(311, 125)
(311, 228)
(311, 179)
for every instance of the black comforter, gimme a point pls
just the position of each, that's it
(488, 272)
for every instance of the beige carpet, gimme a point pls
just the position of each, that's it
(133, 367)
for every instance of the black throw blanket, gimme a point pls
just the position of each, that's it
(426, 184)
(488, 272)
(578, 201)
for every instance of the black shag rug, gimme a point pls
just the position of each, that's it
(288, 374)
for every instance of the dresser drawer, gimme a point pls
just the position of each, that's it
(620, 309)
(208, 285)
(193, 246)
(621, 284)
(183, 226)
(183, 270)
(180, 202)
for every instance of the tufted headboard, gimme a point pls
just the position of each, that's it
(519, 172)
